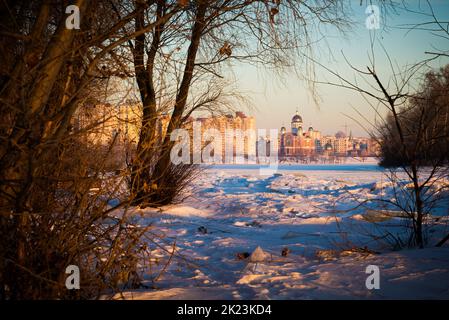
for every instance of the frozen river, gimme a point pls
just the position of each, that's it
(305, 167)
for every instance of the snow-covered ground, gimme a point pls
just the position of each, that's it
(314, 229)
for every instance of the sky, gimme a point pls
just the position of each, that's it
(274, 102)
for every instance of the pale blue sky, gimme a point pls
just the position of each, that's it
(276, 102)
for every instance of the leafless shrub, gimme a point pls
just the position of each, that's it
(59, 200)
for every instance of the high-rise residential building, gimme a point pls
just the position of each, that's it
(104, 122)
(237, 135)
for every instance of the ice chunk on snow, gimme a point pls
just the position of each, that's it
(240, 224)
(248, 278)
(258, 255)
(185, 211)
(291, 235)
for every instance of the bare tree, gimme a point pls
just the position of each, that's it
(51, 214)
(413, 137)
(191, 48)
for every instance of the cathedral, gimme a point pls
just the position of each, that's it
(298, 142)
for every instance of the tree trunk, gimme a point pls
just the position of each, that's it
(419, 208)
(160, 192)
(146, 147)
(442, 241)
